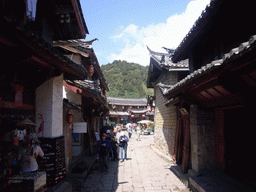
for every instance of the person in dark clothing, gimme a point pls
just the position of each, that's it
(114, 144)
(123, 142)
(102, 149)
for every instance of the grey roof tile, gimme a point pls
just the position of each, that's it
(235, 52)
(127, 101)
(164, 60)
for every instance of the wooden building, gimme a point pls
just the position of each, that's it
(32, 74)
(217, 99)
(89, 94)
(126, 110)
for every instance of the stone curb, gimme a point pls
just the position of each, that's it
(161, 155)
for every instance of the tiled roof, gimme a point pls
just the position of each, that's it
(85, 47)
(69, 62)
(207, 14)
(164, 60)
(89, 85)
(71, 105)
(233, 54)
(127, 101)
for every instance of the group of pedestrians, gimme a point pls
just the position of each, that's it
(108, 147)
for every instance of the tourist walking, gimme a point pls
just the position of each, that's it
(123, 143)
(102, 149)
(129, 131)
(138, 133)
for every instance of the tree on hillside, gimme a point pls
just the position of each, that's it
(126, 79)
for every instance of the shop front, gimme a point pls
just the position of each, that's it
(18, 129)
(31, 89)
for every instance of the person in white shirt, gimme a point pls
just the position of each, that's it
(29, 158)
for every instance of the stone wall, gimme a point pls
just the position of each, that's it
(202, 128)
(165, 118)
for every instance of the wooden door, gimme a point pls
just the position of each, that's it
(178, 142)
(186, 144)
(219, 140)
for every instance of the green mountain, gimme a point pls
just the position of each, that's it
(126, 80)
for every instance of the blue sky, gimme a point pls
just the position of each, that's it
(125, 27)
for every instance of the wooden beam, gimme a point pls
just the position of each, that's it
(73, 50)
(7, 42)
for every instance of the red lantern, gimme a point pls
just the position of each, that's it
(122, 107)
(129, 111)
(130, 107)
(138, 107)
(143, 115)
(114, 106)
(91, 70)
(132, 116)
(70, 118)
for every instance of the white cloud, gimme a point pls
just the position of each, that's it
(168, 34)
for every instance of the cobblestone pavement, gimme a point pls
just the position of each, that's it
(143, 171)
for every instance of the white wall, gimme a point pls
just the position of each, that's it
(49, 103)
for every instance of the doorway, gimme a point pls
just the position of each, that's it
(239, 144)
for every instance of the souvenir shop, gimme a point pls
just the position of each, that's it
(18, 139)
(19, 80)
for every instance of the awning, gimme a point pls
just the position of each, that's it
(119, 113)
(145, 121)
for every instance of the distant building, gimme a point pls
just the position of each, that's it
(128, 110)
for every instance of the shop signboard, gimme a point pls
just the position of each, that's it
(79, 127)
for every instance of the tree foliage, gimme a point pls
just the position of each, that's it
(127, 80)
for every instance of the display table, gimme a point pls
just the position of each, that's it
(29, 182)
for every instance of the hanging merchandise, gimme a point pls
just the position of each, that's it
(31, 9)
(91, 70)
(18, 95)
(70, 118)
(41, 127)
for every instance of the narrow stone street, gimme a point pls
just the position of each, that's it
(143, 171)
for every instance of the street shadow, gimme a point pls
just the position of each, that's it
(112, 180)
(102, 181)
(176, 169)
